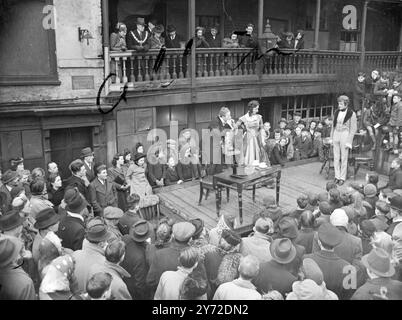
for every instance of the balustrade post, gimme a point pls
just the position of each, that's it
(199, 72)
(174, 73)
(217, 65)
(181, 73)
(147, 76)
(117, 60)
(132, 77)
(211, 65)
(140, 77)
(205, 73)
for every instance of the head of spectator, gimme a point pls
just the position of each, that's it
(87, 155)
(298, 131)
(272, 210)
(378, 264)
(17, 164)
(97, 232)
(282, 123)
(229, 240)
(127, 156)
(38, 187)
(288, 228)
(367, 229)
(140, 23)
(158, 30)
(370, 191)
(194, 287)
(277, 134)
(199, 228)
(163, 234)
(305, 133)
(141, 231)
(77, 168)
(133, 202)
(199, 32)
(253, 107)
(10, 178)
(264, 226)
(339, 219)
(249, 267)
(52, 168)
(330, 185)
(139, 147)
(18, 191)
(183, 231)
(312, 199)
(306, 290)
(11, 223)
(118, 160)
(317, 133)
(328, 237)
(75, 202)
(396, 207)
(322, 196)
(382, 208)
(55, 181)
(297, 117)
(334, 196)
(302, 201)
(386, 195)
(101, 172)
(121, 29)
(325, 208)
(384, 241)
(289, 36)
(171, 30)
(328, 121)
(47, 220)
(372, 178)
(320, 125)
(250, 28)
(355, 187)
(299, 34)
(112, 216)
(188, 259)
(139, 159)
(267, 126)
(287, 131)
(115, 251)
(283, 141)
(99, 286)
(10, 252)
(346, 198)
(307, 220)
(313, 124)
(302, 125)
(282, 251)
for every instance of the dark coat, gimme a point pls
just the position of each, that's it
(156, 172)
(274, 276)
(371, 211)
(117, 176)
(133, 44)
(214, 43)
(305, 239)
(247, 41)
(76, 182)
(201, 42)
(6, 205)
(91, 175)
(332, 267)
(165, 260)
(395, 179)
(55, 196)
(135, 263)
(371, 290)
(71, 232)
(172, 176)
(278, 155)
(102, 196)
(126, 221)
(305, 146)
(15, 284)
(187, 171)
(169, 43)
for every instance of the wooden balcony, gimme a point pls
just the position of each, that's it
(237, 66)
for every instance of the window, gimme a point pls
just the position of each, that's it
(310, 16)
(206, 21)
(27, 50)
(310, 107)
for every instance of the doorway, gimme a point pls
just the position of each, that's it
(66, 145)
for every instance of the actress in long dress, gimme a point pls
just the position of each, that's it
(252, 124)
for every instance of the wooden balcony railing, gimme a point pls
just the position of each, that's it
(138, 69)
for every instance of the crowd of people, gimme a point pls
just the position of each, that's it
(85, 238)
(152, 35)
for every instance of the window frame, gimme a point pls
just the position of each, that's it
(50, 79)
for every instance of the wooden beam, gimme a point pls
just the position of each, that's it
(191, 110)
(317, 24)
(222, 21)
(363, 36)
(106, 43)
(260, 18)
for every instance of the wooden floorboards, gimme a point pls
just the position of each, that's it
(181, 201)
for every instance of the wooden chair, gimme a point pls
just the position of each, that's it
(207, 184)
(362, 157)
(151, 213)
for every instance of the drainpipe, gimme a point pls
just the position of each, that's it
(363, 37)
(106, 44)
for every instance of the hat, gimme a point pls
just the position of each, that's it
(397, 233)
(112, 213)
(339, 218)
(10, 220)
(65, 265)
(140, 21)
(97, 231)
(183, 231)
(370, 190)
(74, 200)
(297, 114)
(269, 202)
(10, 247)
(288, 228)
(379, 224)
(329, 235)
(86, 152)
(288, 127)
(46, 218)
(282, 251)
(263, 225)
(388, 193)
(16, 191)
(139, 156)
(158, 29)
(383, 207)
(9, 176)
(396, 203)
(274, 213)
(307, 290)
(231, 237)
(283, 120)
(199, 226)
(140, 231)
(368, 227)
(170, 28)
(378, 262)
(325, 208)
(200, 28)
(312, 271)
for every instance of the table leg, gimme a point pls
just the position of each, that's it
(218, 195)
(201, 194)
(240, 194)
(254, 193)
(278, 181)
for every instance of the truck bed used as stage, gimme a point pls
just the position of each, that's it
(180, 202)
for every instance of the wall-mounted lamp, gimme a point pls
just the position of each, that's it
(84, 34)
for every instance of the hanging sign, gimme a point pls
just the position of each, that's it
(349, 21)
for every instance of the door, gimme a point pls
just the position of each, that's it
(66, 145)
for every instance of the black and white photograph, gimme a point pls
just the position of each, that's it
(200, 150)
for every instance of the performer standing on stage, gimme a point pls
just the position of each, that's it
(343, 131)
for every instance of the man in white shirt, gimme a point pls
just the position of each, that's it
(343, 131)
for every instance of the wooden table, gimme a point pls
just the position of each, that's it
(227, 180)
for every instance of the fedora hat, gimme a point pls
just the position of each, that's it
(86, 152)
(140, 21)
(46, 218)
(329, 235)
(396, 203)
(288, 227)
(74, 200)
(378, 262)
(282, 250)
(97, 231)
(140, 231)
(139, 156)
(170, 28)
(10, 247)
(9, 176)
(10, 220)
